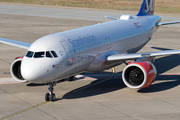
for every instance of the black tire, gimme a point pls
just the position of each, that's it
(47, 97)
(53, 97)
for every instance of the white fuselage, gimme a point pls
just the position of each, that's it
(86, 49)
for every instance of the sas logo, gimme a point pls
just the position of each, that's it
(149, 6)
(137, 24)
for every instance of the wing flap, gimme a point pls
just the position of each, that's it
(123, 57)
(15, 43)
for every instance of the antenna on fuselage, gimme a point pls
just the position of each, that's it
(52, 32)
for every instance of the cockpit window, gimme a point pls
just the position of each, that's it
(54, 54)
(48, 54)
(39, 55)
(29, 54)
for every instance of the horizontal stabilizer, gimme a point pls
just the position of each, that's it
(114, 18)
(167, 23)
(15, 43)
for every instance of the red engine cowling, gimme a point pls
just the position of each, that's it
(16, 70)
(139, 74)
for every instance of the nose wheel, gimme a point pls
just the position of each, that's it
(50, 96)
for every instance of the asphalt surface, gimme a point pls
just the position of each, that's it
(92, 96)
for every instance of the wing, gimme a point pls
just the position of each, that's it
(167, 23)
(15, 43)
(123, 57)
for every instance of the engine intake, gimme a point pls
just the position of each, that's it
(139, 74)
(16, 70)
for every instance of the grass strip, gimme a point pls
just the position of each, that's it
(163, 6)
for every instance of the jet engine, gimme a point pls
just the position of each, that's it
(16, 70)
(139, 74)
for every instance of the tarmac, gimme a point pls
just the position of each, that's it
(91, 96)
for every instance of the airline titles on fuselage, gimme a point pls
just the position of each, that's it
(83, 40)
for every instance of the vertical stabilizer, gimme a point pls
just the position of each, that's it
(147, 8)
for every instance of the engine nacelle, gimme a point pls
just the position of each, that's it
(16, 70)
(139, 74)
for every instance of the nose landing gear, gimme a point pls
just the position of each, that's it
(50, 96)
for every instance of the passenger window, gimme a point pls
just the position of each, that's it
(29, 54)
(39, 55)
(48, 54)
(54, 54)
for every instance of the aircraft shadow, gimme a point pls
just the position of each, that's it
(40, 84)
(95, 89)
(166, 63)
(160, 48)
(35, 84)
(169, 81)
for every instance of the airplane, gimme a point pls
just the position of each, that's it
(93, 48)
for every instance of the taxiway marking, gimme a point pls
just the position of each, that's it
(23, 110)
(60, 97)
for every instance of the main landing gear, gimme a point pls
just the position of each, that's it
(70, 78)
(50, 96)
